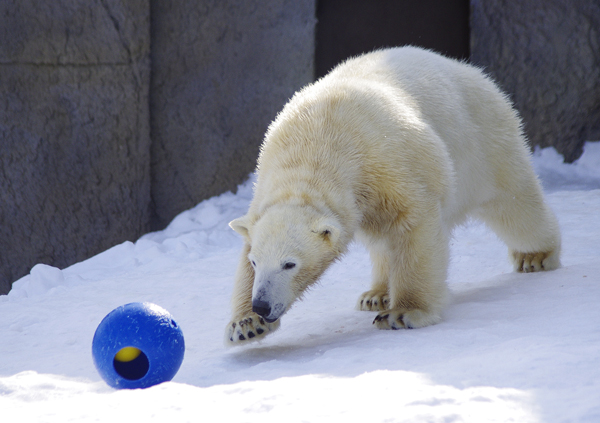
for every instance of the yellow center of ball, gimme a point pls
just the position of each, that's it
(127, 354)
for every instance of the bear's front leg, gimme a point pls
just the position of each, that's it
(245, 325)
(417, 262)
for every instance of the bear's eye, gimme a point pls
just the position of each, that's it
(253, 263)
(289, 265)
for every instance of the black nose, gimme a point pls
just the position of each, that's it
(262, 308)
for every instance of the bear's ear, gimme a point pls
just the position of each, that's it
(240, 225)
(330, 229)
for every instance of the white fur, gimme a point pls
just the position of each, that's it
(395, 147)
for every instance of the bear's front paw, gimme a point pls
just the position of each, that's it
(373, 301)
(401, 318)
(249, 328)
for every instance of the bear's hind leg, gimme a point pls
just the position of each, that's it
(522, 219)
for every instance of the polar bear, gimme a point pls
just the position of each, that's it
(393, 148)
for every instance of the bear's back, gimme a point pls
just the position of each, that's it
(467, 111)
(396, 117)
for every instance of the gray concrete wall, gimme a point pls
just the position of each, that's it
(78, 111)
(221, 70)
(546, 55)
(74, 130)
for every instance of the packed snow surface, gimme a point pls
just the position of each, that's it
(512, 347)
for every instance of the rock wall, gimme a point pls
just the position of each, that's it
(74, 130)
(221, 70)
(115, 115)
(546, 55)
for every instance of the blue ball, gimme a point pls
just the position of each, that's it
(147, 327)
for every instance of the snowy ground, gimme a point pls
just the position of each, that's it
(512, 347)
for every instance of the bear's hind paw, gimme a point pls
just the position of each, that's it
(534, 262)
(247, 329)
(373, 301)
(401, 318)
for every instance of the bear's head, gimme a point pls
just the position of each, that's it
(290, 247)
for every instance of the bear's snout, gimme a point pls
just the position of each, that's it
(262, 308)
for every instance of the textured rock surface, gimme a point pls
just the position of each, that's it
(76, 159)
(546, 55)
(221, 70)
(74, 130)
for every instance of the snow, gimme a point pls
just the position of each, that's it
(513, 347)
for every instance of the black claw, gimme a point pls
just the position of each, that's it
(262, 321)
(242, 338)
(259, 331)
(233, 325)
(231, 339)
(401, 320)
(251, 335)
(379, 318)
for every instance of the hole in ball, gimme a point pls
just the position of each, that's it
(131, 363)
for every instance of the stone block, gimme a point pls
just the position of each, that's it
(74, 131)
(221, 70)
(546, 55)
